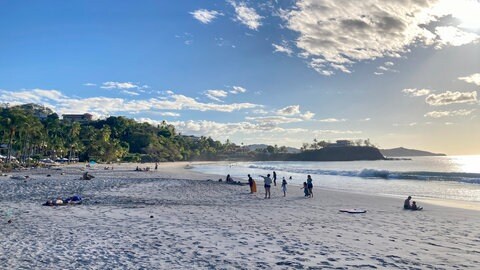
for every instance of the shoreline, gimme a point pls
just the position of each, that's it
(175, 218)
(459, 204)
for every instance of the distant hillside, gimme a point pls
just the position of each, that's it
(404, 152)
(254, 147)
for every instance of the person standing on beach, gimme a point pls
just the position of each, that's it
(274, 178)
(250, 183)
(267, 184)
(156, 166)
(284, 187)
(310, 186)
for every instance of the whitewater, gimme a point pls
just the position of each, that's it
(447, 178)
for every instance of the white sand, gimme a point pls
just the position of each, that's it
(211, 225)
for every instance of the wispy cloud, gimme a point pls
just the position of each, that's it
(414, 92)
(237, 90)
(216, 95)
(294, 110)
(290, 110)
(331, 120)
(247, 15)
(474, 78)
(448, 97)
(283, 48)
(386, 67)
(440, 114)
(119, 85)
(103, 106)
(89, 84)
(205, 16)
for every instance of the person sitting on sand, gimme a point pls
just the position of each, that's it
(87, 176)
(415, 207)
(284, 187)
(49, 203)
(59, 201)
(229, 179)
(305, 189)
(267, 184)
(406, 204)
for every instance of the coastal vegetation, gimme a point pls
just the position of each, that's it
(30, 132)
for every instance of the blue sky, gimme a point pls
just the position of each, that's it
(401, 73)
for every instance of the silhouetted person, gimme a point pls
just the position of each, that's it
(406, 204)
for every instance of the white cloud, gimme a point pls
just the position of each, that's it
(89, 84)
(307, 115)
(104, 106)
(119, 85)
(331, 120)
(440, 114)
(205, 16)
(414, 92)
(274, 120)
(131, 93)
(237, 89)
(247, 15)
(474, 78)
(448, 97)
(40, 96)
(453, 36)
(290, 110)
(282, 49)
(216, 94)
(336, 132)
(171, 114)
(346, 32)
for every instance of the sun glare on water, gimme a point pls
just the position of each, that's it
(468, 164)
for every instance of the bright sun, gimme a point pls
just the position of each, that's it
(467, 11)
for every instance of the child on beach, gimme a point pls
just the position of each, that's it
(305, 189)
(415, 207)
(284, 187)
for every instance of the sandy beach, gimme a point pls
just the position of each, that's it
(175, 218)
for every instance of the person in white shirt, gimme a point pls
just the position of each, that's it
(267, 184)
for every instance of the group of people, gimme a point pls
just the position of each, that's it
(59, 201)
(268, 181)
(411, 206)
(308, 187)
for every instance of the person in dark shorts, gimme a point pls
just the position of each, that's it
(274, 178)
(267, 184)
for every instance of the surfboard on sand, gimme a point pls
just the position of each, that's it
(254, 187)
(353, 211)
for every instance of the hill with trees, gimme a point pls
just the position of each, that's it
(30, 132)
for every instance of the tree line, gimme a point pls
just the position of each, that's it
(26, 137)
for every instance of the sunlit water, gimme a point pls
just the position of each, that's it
(453, 177)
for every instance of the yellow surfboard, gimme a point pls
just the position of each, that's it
(254, 187)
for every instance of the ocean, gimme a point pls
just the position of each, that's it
(449, 177)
